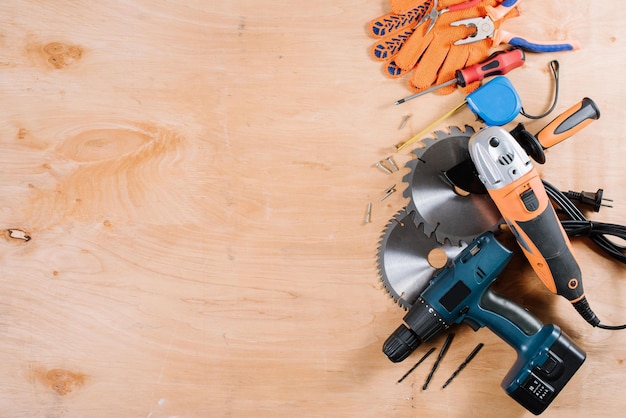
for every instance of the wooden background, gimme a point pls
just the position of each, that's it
(193, 177)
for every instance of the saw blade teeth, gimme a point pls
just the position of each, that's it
(428, 142)
(455, 130)
(402, 259)
(428, 229)
(439, 134)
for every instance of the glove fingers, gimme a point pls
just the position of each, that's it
(428, 67)
(455, 60)
(387, 47)
(401, 6)
(413, 49)
(393, 22)
(392, 70)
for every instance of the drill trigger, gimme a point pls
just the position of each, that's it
(472, 323)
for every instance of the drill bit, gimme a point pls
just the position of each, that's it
(442, 353)
(462, 365)
(428, 353)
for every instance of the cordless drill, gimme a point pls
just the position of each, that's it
(546, 357)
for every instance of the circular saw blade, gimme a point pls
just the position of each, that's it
(442, 211)
(403, 258)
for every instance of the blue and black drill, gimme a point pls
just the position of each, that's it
(546, 357)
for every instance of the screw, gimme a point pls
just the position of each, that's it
(382, 167)
(404, 121)
(368, 213)
(392, 163)
(388, 192)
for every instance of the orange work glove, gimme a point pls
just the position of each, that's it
(432, 57)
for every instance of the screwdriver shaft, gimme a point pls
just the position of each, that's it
(498, 63)
(421, 93)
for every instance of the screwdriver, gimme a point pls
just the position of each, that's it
(498, 63)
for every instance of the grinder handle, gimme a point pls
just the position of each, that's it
(526, 208)
(568, 123)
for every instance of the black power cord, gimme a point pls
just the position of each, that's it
(579, 226)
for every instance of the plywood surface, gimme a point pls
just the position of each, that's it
(182, 205)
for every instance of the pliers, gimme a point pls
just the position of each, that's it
(434, 13)
(485, 28)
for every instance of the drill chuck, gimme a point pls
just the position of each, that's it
(400, 344)
(424, 323)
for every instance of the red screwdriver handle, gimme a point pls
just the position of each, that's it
(498, 63)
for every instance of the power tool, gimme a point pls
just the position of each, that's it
(546, 357)
(515, 187)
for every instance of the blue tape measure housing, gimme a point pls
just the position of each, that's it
(495, 102)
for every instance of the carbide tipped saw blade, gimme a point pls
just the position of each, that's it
(403, 258)
(450, 215)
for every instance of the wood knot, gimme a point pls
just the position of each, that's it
(18, 234)
(62, 55)
(64, 381)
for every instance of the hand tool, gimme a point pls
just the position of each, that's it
(496, 103)
(498, 63)
(485, 28)
(434, 14)
(420, 361)
(469, 358)
(546, 357)
(568, 123)
(514, 185)
(442, 352)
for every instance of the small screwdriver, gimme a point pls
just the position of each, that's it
(498, 63)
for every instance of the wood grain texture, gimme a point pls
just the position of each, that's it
(182, 199)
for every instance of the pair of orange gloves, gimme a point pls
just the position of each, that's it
(431, 55)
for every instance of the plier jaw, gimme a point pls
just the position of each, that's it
(485, 28)
(430, 16)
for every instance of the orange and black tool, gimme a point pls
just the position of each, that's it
(577, 117)
(562, 127)
(514, 185)
(568, 123)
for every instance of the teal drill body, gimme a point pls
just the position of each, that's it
(546, 357)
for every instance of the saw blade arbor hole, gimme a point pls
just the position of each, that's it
(437, 258)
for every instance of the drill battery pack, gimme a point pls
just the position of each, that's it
(535, 383)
